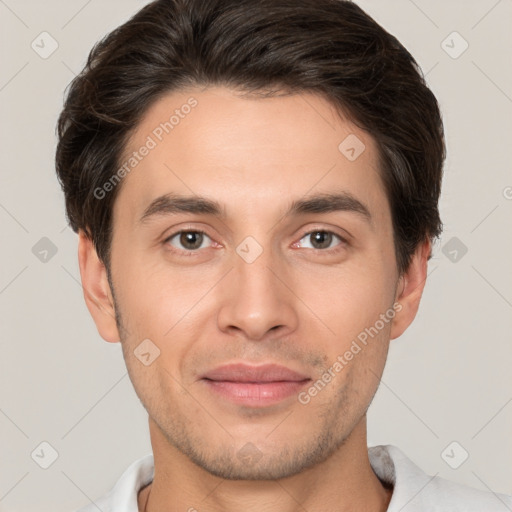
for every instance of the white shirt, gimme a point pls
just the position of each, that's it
(413, 489)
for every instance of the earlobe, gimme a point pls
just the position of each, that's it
(96, 288)
(410, 289)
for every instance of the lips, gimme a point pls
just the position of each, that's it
(254, 386)
(254, 374)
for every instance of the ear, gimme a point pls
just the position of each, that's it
(97, 293)
(409, 290)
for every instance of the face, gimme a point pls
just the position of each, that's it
(246, 278)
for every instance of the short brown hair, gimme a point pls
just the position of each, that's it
(329, 47)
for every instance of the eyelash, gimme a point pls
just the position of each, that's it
(189, 253)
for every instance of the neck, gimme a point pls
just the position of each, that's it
(343, 482)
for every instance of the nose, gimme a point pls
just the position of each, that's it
(258, 299)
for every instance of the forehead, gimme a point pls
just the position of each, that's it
(247, 152)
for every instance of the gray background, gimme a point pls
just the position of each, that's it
(447, 378)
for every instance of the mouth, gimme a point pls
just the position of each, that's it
(254, 386)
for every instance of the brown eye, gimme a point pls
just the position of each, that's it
(187, 240)
(322, 240)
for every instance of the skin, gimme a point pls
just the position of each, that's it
(295, 305)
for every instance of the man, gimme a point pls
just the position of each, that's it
(255, 185)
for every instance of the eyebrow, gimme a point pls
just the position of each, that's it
(171, 203)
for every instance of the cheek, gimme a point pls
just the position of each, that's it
(351, 304)
(349, 298)
(164, 305)
(152, 296)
